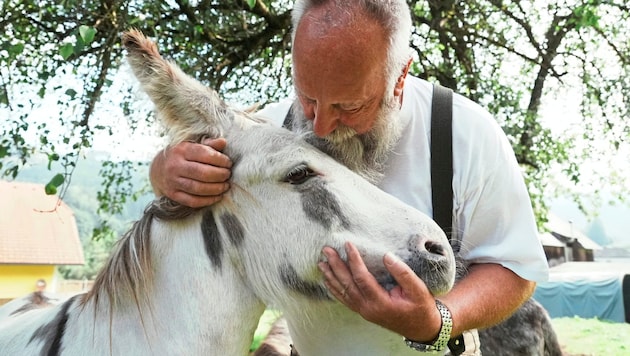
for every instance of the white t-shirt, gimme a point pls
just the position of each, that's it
(491, 207)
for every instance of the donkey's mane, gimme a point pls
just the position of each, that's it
(128, 272)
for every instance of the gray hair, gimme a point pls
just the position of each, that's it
(394, 17)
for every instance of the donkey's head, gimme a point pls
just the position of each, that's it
(287, 199)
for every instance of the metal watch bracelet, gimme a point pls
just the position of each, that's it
(443, 337)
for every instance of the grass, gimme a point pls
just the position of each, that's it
(577, 336)
(592, 337)
(266, 320)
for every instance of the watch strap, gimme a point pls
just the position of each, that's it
(444, 335)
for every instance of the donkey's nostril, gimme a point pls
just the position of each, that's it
(434, 248)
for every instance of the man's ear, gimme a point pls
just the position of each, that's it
(400, 83)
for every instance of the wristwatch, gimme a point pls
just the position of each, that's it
(443, 337)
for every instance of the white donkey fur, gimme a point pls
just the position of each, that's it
(188, 281)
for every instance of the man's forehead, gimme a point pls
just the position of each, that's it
(348, 98)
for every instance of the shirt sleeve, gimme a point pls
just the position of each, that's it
(492, 208)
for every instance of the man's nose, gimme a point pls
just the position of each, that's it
(324, 121)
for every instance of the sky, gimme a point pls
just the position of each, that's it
(614, 217)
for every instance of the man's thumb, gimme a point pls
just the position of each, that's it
(396, 266)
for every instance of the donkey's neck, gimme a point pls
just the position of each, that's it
(194, 306)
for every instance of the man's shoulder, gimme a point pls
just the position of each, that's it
(421, 90)
(276, 112)
(417, 102)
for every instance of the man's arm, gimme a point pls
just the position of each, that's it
(486, 296)
(192, 174)
(489, 294)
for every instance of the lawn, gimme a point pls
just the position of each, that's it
(581, 337)
(577, 336)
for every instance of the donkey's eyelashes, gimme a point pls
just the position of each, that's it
(299, 174)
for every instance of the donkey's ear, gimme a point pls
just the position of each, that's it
(187, 108)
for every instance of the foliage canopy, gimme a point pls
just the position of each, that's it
(516, 58)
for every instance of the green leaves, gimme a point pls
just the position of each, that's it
(71, 93)
(16, 49)
(55, 182)
(84, 36)
(251, 3)
(4, 96)
(66, 50)
(87, 33)
(585, 16)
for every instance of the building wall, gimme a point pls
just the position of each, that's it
(19, 280)
(555, 255)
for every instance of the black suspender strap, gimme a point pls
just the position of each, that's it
(442, 175)
(442, 157)
(288, 119)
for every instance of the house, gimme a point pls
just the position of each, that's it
(37, 233)
(565, 243)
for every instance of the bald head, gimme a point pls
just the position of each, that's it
(385, 25)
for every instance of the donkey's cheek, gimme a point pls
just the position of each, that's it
(294, 282)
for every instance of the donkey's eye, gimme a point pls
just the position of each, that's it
(299, 174)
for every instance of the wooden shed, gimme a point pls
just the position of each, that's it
(565, 243)
(37, 233)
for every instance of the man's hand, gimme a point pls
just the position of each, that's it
(408, 309)
(488, 294)
(192, 174)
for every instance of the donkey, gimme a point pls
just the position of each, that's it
(195, 281)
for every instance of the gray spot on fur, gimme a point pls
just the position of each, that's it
(320, 205)
(234, 228)
(51, 333)
(294, 282)
(211, 238)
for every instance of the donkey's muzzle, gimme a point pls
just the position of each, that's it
(431, 259)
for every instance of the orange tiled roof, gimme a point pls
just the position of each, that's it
(36, 228)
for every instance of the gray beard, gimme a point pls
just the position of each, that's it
(365, 154)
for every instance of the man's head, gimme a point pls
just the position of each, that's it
(40, 285)
(350, 59)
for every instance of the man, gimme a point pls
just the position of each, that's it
(357, 103)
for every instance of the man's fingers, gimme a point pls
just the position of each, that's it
(405, 276)
(209, 154)
(218, 144)
(192, 174)
(201, 188)
(335, 270)
(195, 201)
(364, 280)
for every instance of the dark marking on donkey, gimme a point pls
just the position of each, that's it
(234, 228)
(211, 238)
(52, 332)
(320, 205)
(294, 282)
